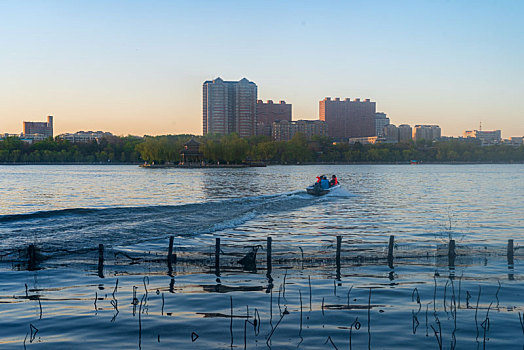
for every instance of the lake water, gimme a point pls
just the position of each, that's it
(309, 299)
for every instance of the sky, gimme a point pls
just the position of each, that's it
(137, 67)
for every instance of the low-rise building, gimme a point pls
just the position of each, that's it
(30, 138)
(515, 141)
(284, 130)
(486, 137)
(6, 135)
(84, 136)
(365, 140)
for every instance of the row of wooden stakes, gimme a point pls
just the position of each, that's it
(249, 261)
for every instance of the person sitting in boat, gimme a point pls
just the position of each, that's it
(319, 177)
(334, 181)
(324, 183)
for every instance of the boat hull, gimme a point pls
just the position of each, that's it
(317, 191)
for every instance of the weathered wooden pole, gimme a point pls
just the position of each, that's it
(511, 265)
(31, 257)
(268, 256)
(170, 257)
(390, 251)
(101, 260)
(510, 252)
(451, 253)
(217, 256)
(339, 246)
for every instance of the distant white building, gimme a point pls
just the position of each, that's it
(29, 138)
(84, 136)
(364, 140)
(486, 137)
(515, 141)
(6, 135)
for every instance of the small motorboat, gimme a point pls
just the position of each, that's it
(317, 190)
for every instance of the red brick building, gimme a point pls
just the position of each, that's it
(45, 129)
(346, 118)
(268, 113)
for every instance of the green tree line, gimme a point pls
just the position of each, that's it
(233, 149)
(108, 149)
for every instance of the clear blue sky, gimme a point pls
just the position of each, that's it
(138, 66)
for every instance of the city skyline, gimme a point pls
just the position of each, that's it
(137, 68)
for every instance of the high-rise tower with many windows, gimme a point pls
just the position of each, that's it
(229, 106)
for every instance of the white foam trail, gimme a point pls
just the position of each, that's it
(231, 223)
(341, 192)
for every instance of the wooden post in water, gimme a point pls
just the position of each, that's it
(339, 246)
(170, 256)
(390, 251)
(31, 257)
(217, 256)
(510, 252)
(101, 260)
(511, 265)
(451, 253)
(268, 256)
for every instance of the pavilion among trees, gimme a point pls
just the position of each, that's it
(191, 154)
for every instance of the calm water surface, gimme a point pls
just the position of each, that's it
(136, 301)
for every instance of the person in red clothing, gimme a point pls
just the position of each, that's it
(334, 181)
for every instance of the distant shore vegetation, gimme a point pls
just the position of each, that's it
(234, 150)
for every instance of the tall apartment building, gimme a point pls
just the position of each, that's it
(284, 130)
(405, 133)
(381, 120)
(269, 112)
(391, 133)
(42, 129)
(229, 106)
(348, 118)
(486, 137)
(426, 132)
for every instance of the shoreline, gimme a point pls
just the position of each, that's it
(72, 163)
(158, 166)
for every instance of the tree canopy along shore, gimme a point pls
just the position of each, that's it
(232, 149)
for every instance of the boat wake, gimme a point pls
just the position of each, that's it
(81, 228)
(341, 192)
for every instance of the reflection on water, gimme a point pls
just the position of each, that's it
(309, 301)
